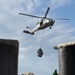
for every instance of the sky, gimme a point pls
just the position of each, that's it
(12, 25)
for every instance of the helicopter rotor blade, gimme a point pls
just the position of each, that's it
(61, 19)
(47, 12)
(30, 15)
(43, 17)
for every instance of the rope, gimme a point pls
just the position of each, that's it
(42, 39)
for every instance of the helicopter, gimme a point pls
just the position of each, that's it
(41, 25)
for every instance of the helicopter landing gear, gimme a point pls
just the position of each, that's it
(50, 27)
(27, 27)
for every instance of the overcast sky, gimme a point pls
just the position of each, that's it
(12, 25)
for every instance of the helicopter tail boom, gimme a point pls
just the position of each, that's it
(27, 32)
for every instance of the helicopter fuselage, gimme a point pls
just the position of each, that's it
(45, 23)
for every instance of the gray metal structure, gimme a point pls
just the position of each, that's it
(8, 57)
(66, 58)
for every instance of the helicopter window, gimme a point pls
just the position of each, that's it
(37, 23)
(41, 22)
